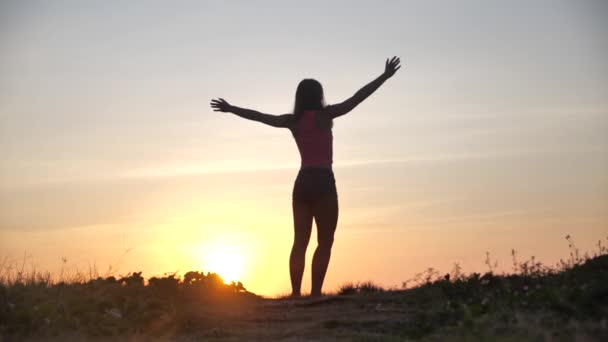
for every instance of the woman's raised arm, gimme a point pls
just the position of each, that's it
(339, 109)
(221, 105)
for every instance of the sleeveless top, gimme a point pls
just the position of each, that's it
(314, 143)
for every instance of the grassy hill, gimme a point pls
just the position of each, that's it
(537, 303)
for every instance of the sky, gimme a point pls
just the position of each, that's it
(493, 136)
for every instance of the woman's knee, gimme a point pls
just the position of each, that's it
(299, 246)
(325, 243)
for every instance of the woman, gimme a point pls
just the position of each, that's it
(314, 193)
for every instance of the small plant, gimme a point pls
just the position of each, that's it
(368, 286)
(491, 265)
(362, 287)
(347, 289)
(456, 273)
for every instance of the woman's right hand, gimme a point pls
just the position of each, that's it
(220, 105)
(391, 67)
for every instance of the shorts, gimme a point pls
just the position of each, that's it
(313, 184)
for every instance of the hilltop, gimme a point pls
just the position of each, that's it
(537, 303)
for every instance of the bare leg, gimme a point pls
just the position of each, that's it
(302, 223)
(326, 218)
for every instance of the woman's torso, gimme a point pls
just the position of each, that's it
(314, 139)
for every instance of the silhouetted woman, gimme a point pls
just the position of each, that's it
(314, 192)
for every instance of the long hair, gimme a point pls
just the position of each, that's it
(309, 96)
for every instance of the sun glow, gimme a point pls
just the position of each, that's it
(227, 261)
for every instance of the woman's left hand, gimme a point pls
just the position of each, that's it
(220, 105)
(391, 67)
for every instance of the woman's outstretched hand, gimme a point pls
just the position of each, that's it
(391, 67)
(220, 105)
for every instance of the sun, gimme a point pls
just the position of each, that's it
(227, 261)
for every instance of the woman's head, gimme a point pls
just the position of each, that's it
(309, 96)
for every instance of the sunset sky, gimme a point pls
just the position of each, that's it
(492, 136)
